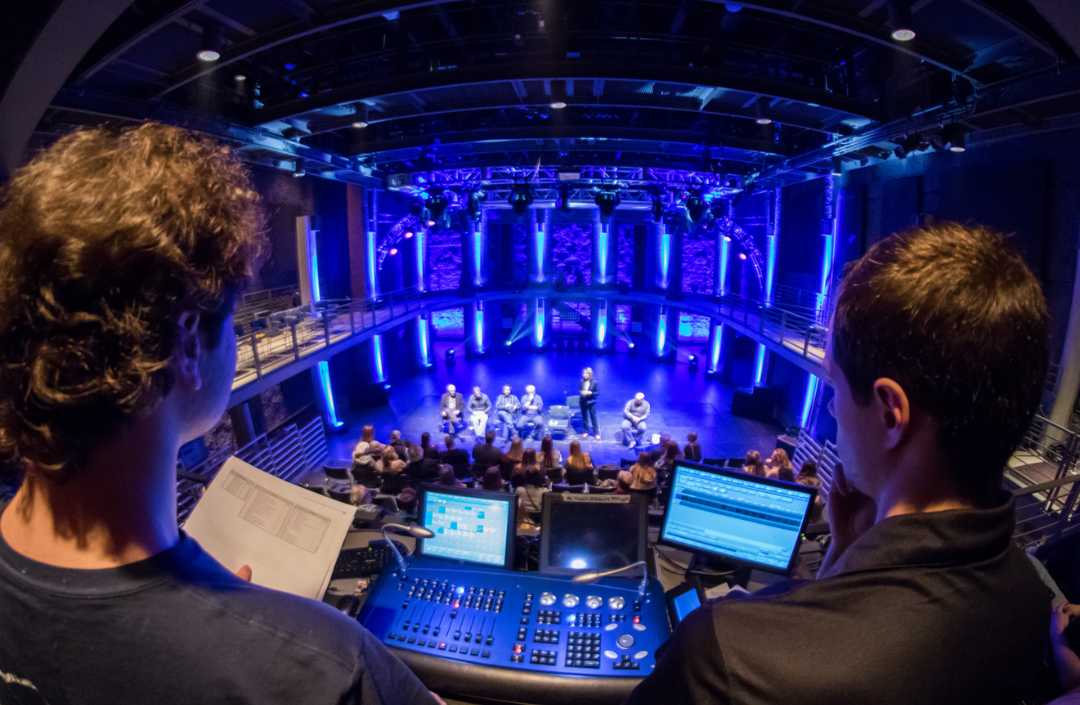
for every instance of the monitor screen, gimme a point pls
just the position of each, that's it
(591, 532)
(471, 526)
(735, 515)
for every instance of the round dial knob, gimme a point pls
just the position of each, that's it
(616, 603)
(547, 599)
(570, 600)
(593, 602)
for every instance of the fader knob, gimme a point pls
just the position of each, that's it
(616, 603)
(547, 599)
(593, 602)
(570, 600)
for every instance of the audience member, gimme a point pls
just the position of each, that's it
(425, 441)
(550, 460)
(786, 474)
(778, 461)
(457, 458)
(532, 490)
(123, 253)
(394, 481)
(360, 496)
(407, 502)
(486, 454)
(399, 444)
(754, 465)
(666, 465)
(808, 475)
(511, 458)
(644, 478)
(493, 480)
(660, 449)
(579, 467)
(361, 456)
(692, 451)
(389, 462)
(622, 482)
(528, 461)
(644, 460)
(448, 478)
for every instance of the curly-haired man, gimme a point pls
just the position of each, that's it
(121, 256)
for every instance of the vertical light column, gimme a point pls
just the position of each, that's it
(601, 249)
(541, 323)
(477, 248)
(421, 238)
(716, 342)
(808, 401)
(325, 397)
(663, 255)
(425, 355)
(772, 233)
(478, 329)
(378, 362)
(830, 219)
(660, 339)
(538, 230)
(370, 242)
(601, 338)
(307, 257)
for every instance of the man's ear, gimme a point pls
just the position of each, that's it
(189, 351)
(891, 406)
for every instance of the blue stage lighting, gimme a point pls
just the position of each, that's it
(563, 203)
(450, 356)
(437, 203)
(693, 362)
(606, 199)
(696, 206)
(521, 197)
(473, 204)
(386, 387)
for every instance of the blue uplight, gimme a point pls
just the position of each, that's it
(808, 400)
(661, 332)
(601, 326)
(421, 257)
(541, 245)
(328, 394)
(478, 320)
(422, 325)
(665, 256)
(714, 351)
(603, 254)
(725, 247)
(377, 348)
(478, 253)
(759, 365)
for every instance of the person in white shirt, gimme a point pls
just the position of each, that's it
(479, 407)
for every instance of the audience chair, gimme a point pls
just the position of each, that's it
(558, 424)
(596, 489)
(649, 495)
(736, 462)
(338, 469)
(345, 497)
(570, 489)
(715, 462)
(365, 475)
(607, 473)
(387, 502)
(625, 464)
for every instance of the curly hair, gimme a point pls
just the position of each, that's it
(106, 239)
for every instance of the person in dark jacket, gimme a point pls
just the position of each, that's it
(486, 454)
(588, 391)
(456, 458)
(452, 410)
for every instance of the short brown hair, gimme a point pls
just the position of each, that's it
(955, 317)
(106, 238)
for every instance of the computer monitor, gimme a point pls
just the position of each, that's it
(591, 532)
(470, 526)
(739, 517)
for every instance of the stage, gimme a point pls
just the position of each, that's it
(682, 400)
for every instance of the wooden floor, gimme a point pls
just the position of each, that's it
(682, 400)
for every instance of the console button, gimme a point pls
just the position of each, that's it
(570, 600)
(593, 601)
(625, 641)
(616, 603)
(547, 599)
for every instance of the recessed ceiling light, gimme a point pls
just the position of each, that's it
(558, 105)
(763, 121)
(957, 148)
(359, 123)
(208, 55)
(903, 35)
(240, 77)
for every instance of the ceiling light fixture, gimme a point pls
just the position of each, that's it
(239, 77)
(359, 123)
(210, 43)
(761, 107)
(900, 20)
(558, 105)
(837, 166)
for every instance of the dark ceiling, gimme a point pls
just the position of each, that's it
(645, 83)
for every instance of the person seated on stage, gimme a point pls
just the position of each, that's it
(634, 414)
(937, 352)
(660, 449)
(452, 410)
(123, 253)
(389, 462)
(550, 460)
(532, 409)
(623, 481)
(588, 391)
(511, 458)
(479, 407)
(447, 478)
(493, 480)
(579, 467)
(692, 450)
(754, 465)
(486, 454)
(532, 490)
(507, 406)
(778, 461)
(361, 457)
(456, 458)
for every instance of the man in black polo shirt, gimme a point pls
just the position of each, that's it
(937, 355)
(122, 255)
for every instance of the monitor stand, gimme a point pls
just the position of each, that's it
(740, 575)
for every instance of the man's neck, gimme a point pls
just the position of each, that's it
(118, 509)
(921, 483)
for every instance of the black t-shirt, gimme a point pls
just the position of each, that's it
(934, 609)
(180, 628)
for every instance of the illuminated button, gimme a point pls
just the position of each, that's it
(609, 627)
(616, 603)
(570, 600)
(611, 654)
(547, 599)
(461, 591)
(593, 601)
(637, 620)
(640, 655)
(639, 627)
(625, 641)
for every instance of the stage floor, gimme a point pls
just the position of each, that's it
(682, 400)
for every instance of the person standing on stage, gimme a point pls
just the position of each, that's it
(588, 390)
(452, 408)
(532, 409)
(506, 406)
(479, 407)
(634, 414)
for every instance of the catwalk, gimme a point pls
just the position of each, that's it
(682, 400)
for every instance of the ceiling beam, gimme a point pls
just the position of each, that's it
(351, 14)
(690, 76)
(167, 13)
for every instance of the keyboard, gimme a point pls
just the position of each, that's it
(362, 562)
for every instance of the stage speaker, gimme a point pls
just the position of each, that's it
(757, 403)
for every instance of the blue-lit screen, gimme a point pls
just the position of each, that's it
(468, 529)
(735, 517)
(686, 603)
